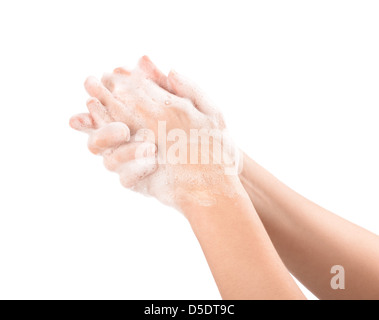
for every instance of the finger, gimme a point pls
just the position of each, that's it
(109, 136)
(132, 151)
(108, 80)
(153, 73)
(131, 173)
(116, 109)
(98, 112)
(187, 89)
(82, 122)
(122, 70)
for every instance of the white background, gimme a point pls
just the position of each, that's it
(298, 84)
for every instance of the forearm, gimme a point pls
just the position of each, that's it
(310, 240)
(240, 255)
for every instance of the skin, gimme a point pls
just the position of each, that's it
(243, 260)
(133, 99)
(309, 239)
(239, 252)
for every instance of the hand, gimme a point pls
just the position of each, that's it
(148, 102)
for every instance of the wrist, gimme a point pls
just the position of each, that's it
(195, 201)
(263, 188)
(226, 210)
(246, 175)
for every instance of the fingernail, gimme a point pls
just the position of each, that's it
(92, 101)
(74, 123)
(173, 73)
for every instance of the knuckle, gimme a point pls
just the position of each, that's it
(187, 104)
